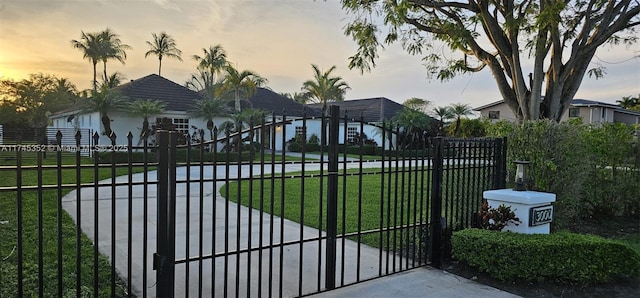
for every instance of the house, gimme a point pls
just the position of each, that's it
(179, 101)
(590, 111)
(372, 111)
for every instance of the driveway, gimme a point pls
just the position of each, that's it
(224, 223)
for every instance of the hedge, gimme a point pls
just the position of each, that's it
(558, 257)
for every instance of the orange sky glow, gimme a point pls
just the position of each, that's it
(278, 39)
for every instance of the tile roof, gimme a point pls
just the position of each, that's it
(375, 109)
(270, 101)
(177, 97)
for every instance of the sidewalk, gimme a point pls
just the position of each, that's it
(419, 282)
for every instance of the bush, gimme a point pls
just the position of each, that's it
(559, 257)
(588, 167)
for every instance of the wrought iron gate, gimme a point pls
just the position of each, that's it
(240, 216)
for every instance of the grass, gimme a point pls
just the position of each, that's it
(359, 207)
(31, 205)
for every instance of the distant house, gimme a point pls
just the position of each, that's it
(372, 111)
(588, 110)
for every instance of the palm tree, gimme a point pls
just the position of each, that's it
(207, 109)
(146, 108)
(629, 102)
(163, 45)
(114, 80)
(413, 124)
(111, 48)
(460, 110)
(105, 101)
(213, 61)
(298, 97)
(244, 82)
(89, 44)
(325, 88)
(444, 114)
(206, 84)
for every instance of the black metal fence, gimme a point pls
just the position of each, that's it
(186, 221)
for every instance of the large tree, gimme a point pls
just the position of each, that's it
(537, 50)
(163, 45)
(27, 103)
(324, 87)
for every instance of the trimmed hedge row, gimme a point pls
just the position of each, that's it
(559, 257)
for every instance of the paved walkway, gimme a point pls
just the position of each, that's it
(226, 227)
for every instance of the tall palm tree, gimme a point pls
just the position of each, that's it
(214, 60)
(443, 114)
(460, 110)
(104, 102)
(207, 109)
(146, 108)
(89, 44)
(111, 48)
(244, 82)
(324, 87)
(163, 45)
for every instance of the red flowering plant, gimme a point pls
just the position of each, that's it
(497, 218)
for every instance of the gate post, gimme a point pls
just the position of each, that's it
(500, 163)
(436, 202)
(332, 198)
(164, 258)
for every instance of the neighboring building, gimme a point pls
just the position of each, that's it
(590, 111)
(373, 111)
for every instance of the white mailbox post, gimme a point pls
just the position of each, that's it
(534, 209)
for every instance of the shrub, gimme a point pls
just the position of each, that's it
(588, 167)
(496, 218)
(559, 257)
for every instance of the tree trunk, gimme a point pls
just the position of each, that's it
(106, 122)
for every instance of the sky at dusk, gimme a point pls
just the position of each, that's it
(278, 39)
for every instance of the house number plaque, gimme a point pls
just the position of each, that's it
(540, 215)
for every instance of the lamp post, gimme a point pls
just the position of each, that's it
(521, 175)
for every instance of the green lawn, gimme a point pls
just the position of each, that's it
(30, 225)
(361, 208)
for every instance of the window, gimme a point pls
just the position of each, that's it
(603, 114)
(301, 131)
(179, 124)
(574, 112)
(494, 114)
(352, 133)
